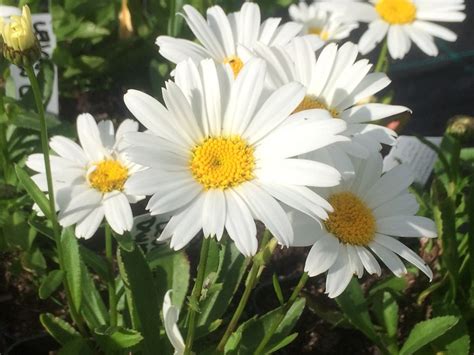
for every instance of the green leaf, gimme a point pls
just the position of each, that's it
(35, 193)
(425, 332)
(92, 307)
(284, 342)
(254, 330)
(445, 219)
(352, 302)
(277, 288)
(144, 297)
(221, 286)
(72, 265)
(76, 346)
(113, 339)
(125, 241)
(470, 213)
(172, 269)
(59, 329)
(50, 283)
(96, 262)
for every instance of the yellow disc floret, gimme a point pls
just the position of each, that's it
(222, 162)
(311, 102)
(352, 222)
(317, 31)
(396, 12)
(235, 63)
(109, 175)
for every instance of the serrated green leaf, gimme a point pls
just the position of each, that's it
(50, 283)
(92, 307)
(113, 339)
(72, 265)
(35, 193)
(456, 341)
(425, 332)
(354, 305)
(139, 281)
(59, 329)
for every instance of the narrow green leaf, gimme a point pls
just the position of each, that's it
(425, 332)
(444, 216)
(92, 307)
(95, 262)
(470, 213)
(72, 265)
(284, 342)
(145, 297)
(35, 193)
(114, 339)
(352, 302)
(277, 288)
(59, 329)
(50, 283)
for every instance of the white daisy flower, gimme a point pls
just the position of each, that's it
(407, 21)
(220, 154)
(170, 320)
(328, 26)
(370, 212)
(89, 180)
(336, 82)
(226, 38)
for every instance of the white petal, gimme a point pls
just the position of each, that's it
(171, 317)
(368, 260)
(118, 211)
(389, 258)
(213, 213)
(403, 205)
(266, 209)
(174, 199)
(375, 33)
(240, 224)
(339, 274)
(107, 133)
(423, 40)
(322, 255)
(307, 231)
(89, 225)
(405, 252)
(79, 206)
(371, 112)
(407, 226)
(176, 49)
(89, 136)
(436, 30)
(68, 149)
(189, 226)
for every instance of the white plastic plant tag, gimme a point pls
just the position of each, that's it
(146, 229)
(42, 24)
(419, 157)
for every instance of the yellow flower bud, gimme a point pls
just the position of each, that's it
(20, 44)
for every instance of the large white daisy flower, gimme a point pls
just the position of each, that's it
(220, 154)
(327, 25)
(407, 21)
(336, 82)
(370, 212)
(89, 180)
(224, 37)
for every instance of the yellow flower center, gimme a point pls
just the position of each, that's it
(352, 222)
(396, 12)
(220, 162)
(317, 31)
(312, 102)
(109, 175)
(235, 63)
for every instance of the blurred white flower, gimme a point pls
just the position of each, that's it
(327, 25)
(226, 38)
(222, 152)
(370, 213)
(89, 180)
(407, 21)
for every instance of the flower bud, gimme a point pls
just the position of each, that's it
(462, 127)
(20, 45)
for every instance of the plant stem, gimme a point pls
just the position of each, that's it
(111, 280)
(382, 62)
(250, 282)
(196, 294)
(283, 310)
(49, 178)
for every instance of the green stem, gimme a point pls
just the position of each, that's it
(382, 62)
(111, 280)
(283, 310)
(47, 163)
(196, 295)
(256, 270)
(4, 156)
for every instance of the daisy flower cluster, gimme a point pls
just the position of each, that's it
(260, 121)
